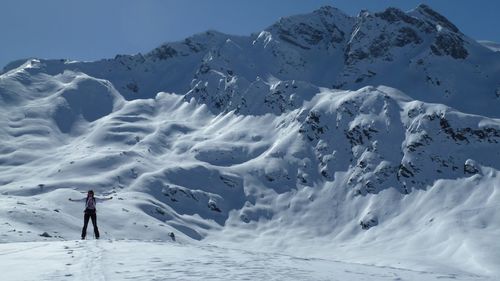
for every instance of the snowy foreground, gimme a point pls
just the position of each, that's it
(123, 260)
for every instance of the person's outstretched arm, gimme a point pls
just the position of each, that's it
(77, 200)
(103, 199)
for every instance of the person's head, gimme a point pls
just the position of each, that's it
(90, 193)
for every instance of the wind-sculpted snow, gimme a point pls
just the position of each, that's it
(244, 141)
(174, 166)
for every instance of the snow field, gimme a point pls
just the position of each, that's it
(148, 260)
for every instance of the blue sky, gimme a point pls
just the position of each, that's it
(93, 29)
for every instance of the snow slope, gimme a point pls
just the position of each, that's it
(120, 260)
(273, 142)
(490, 45)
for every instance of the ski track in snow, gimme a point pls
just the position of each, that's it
(139, 260)
(92, 262)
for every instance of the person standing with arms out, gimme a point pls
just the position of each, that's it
(90, 212)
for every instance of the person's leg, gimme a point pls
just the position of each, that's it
(86, 218)
(94, 223)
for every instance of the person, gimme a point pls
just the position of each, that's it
(90, 212)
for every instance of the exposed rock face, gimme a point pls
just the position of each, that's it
(393, 15)
(361, 129)
(368, 221)
(434, 16)
(164, 52)
(380, 35)
(450, 45)
(321, 31)
(470, 167)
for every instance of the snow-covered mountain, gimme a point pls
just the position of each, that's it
(419, 52)
(371, 139)
(490, 45)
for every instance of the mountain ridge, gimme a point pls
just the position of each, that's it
(402, 48)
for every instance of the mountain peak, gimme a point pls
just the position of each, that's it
(329, 11)
(427, 13)
(324, 27)
(392, 15)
